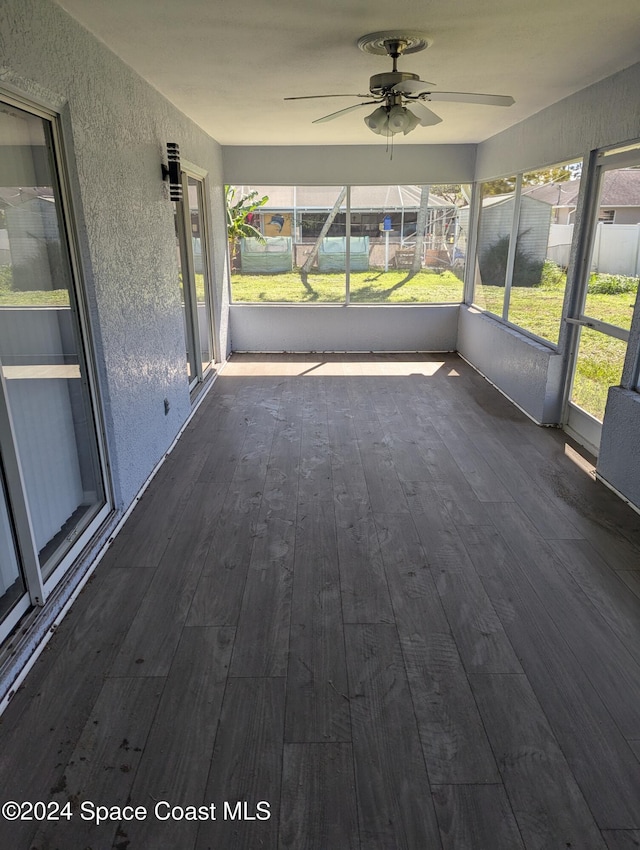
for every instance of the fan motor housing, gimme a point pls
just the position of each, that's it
(381, 83)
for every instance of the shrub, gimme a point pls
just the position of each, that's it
(527, 270)
(6, 278)
(611, 284)
(552, 274)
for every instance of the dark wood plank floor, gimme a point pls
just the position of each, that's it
(365, 596)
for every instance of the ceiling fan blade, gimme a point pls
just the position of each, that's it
(315, 96)
(337, 114)
(425, 116)
(412, 87)
(470, 97)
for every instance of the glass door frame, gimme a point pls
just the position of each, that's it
(188, 282)
(579, 424)
(37, 588)
(183, 220)
(23, 541)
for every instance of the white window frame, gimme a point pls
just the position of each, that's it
(580, 424)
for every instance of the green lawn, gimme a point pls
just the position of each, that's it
(599, 366)
(34, 298)
(537, 310)
(370, 287)
(600, 357)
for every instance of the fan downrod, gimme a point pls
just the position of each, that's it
(392, 44)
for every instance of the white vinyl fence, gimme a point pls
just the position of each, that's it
(616, 247)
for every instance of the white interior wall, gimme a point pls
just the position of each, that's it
(271, 327)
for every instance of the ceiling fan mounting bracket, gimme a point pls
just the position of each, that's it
(394, 43)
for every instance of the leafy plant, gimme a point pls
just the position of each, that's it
(612, 284)
(507, 185)
(527, 270)
(239, 226)
(6, 278)
(238, 211)
(552, 274)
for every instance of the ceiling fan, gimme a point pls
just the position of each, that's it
(393, 92)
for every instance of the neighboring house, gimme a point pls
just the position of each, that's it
(301, 211)
(496, 218)
(616, 245)
(619, 204)
(547, 216)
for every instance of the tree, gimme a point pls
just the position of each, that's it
(238, 223)
(507, 185)
(451, 192)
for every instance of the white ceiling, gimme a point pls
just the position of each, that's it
(228, 65)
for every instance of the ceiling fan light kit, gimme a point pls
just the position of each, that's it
(378, 120)
(395, 90)
(387, 121)
(401, 120)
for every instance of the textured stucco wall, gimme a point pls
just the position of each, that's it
(336, 328)
(526, 371)
(115, 129)
(332, 165)
(619, 458)
(603, 114)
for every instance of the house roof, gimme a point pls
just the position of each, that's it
(621, 188)
(385, 198)
(497, 200)
(564, 194)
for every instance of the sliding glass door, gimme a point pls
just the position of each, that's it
(53, 486)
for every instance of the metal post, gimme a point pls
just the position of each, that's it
(347, 255)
